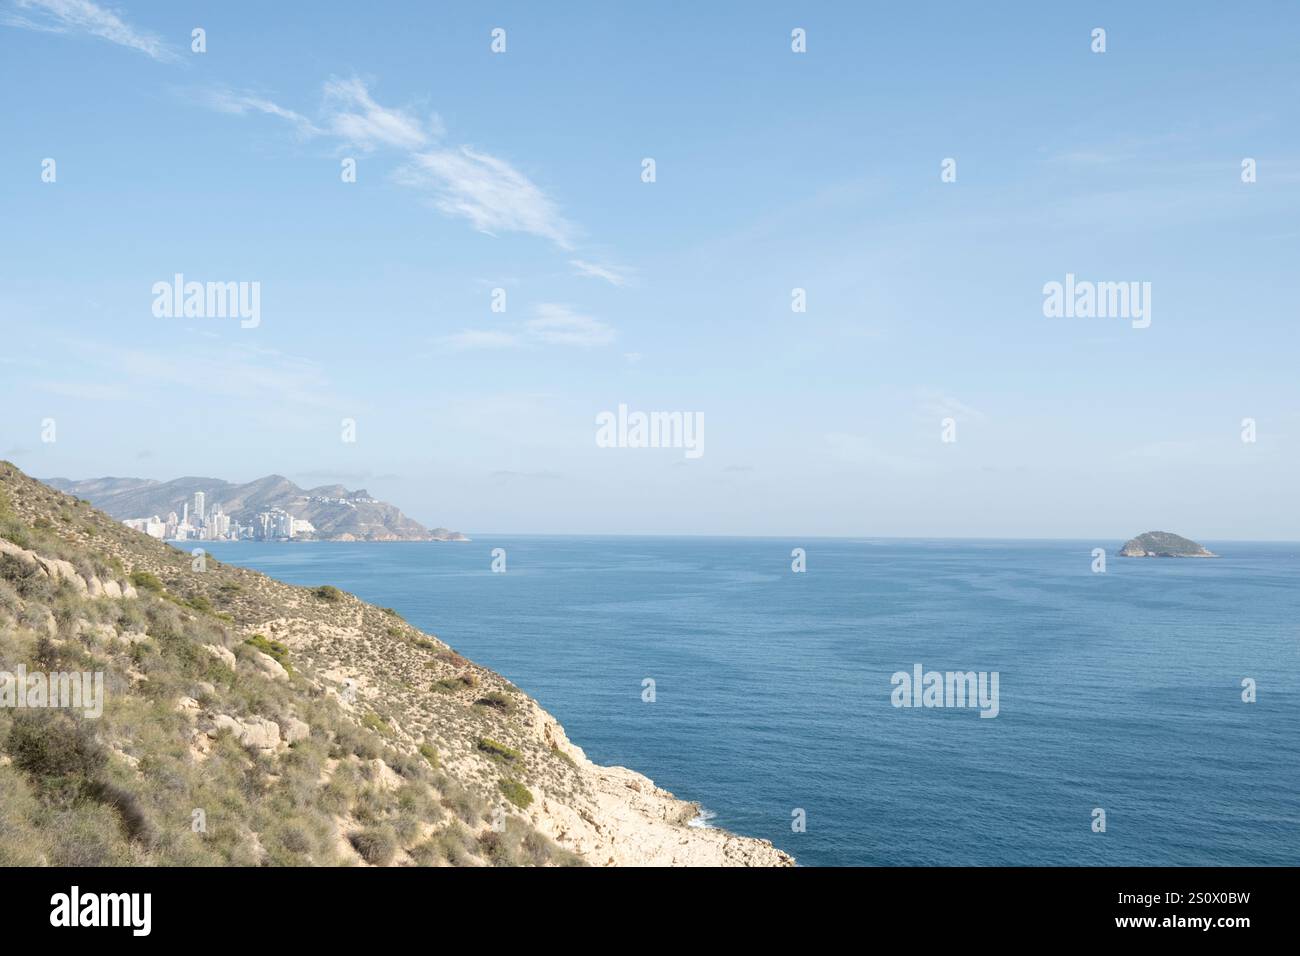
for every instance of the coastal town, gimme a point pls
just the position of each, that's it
(201, 524)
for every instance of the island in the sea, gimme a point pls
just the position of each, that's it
(269, 509)
(1163, 544)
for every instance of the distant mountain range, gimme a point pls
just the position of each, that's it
(337, 513)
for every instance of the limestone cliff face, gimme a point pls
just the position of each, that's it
(308, 727)
(1162, 544)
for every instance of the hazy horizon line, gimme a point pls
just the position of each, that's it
(771, 537)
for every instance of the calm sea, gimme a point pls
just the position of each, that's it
(1120, 691)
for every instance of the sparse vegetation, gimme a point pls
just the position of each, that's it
(373, 721)
(497, 701)
(306, 772)
(147, 581)
(499, 751)
(429, 753)
(272, 649)
(377, 845)
(453, 684)
(517, 793)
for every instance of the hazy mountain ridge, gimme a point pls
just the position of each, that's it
(345, 516)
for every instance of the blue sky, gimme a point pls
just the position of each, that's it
(774, 170)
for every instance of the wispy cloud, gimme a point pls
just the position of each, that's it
(487, 191)
(352, 115)
(611, 275)
(462, 182)
(82, 16)
(240, 103)
(553, 325)
(559, 325)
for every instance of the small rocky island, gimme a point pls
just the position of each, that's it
(1162, 544)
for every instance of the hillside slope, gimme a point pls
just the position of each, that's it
(336, 512)
(250, 722)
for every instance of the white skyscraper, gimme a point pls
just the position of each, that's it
(198, 506)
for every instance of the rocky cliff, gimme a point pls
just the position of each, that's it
(248, 722)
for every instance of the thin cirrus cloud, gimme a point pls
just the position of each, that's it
(355, 118)
(82, 16)
(559, 325)
(615, 277)
(553, 324)
(488, 192)
(461, 182)
(241, 104)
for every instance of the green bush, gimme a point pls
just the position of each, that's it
(328, 592)
(272, 649)
(429, 753)
(15, 531)
(372, 721)
(147, 581)
(517, 793)
(498, 751)
(497, 701)
(452, 684)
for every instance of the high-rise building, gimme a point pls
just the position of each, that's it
(199, 499)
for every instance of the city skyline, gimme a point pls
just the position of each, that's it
(272, 524)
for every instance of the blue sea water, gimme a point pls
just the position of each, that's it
(1120, 690)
